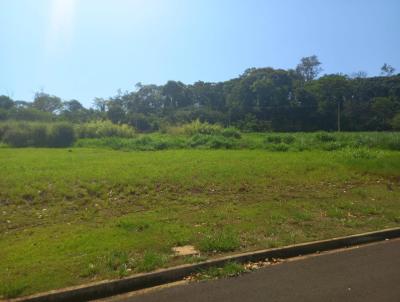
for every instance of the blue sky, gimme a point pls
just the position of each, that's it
(86, 48)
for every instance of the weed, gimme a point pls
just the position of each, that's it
(231, 132)
(325, 137)
(12, 289)
(116, 260)
(274, 139)
(131, 226)
(150, 261)
(230, 269)
(90, 271)
(197, 127)
(278, 147)
(224, 241)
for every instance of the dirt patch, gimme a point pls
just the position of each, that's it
(187, 250)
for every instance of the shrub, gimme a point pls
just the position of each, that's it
(173, 130)
(364, 141)
(198, 140)
(360, 153)
(274, 139)
(17, 137)
(288, 139)
(61, 135)
(332, 146)
(25, 134)
(39, 135)
(278, 147)
(197, 127)
(100, 129)
(220, 142)
(325, 137)
(4, 127)
(396, 122)
(394, 144)
(231, 132)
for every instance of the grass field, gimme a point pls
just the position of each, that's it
(70, 216)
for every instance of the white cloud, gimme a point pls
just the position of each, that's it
(61, 24)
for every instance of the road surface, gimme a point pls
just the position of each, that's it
(369, 273)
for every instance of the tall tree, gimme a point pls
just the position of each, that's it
(309, 68)
(387, 70)
(6, 103)
(47, 103)
(100, 104)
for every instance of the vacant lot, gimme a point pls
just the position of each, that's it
(69, 216)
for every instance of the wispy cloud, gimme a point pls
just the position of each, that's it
(61, 24)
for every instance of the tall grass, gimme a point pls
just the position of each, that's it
(278, 142)
(37, 134)
(196, 135)
(100, 129)
(56, 134)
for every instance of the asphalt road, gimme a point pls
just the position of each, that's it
(368, 273)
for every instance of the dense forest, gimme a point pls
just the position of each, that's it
(261, 99)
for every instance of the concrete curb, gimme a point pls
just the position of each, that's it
(140, 281)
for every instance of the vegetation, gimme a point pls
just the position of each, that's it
(261, 99)
(93, 211)
(89, 214)
(100, 129)
(24, 134)
(231, 269)
(267, 141)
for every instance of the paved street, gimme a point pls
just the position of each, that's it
(369, 273)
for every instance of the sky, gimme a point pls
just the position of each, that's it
(82, 49)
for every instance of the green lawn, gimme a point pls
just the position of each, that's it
(70, 216)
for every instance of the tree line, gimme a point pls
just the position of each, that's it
(260, 99)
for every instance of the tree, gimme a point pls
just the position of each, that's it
(47, 103)
(73, 111)
(331, 91)
(6, 103)
(176, 94)
(309, 68)
(116, 113)
(100, 104)
(387, 70)
(396, 122)
(383, 109)
(359, 75)
(72, 106)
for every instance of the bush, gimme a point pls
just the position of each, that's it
(394, 144)
(396, 122)
(34, 134)
(325, 137)
(332, 146)
(278, 147)
(4, 127)
(100, 129)
(231, 132)
(273, 139)
(288, 139)
(198, 140)
(39, 135)
(220, 142)
(61, 135)
(17, 137)
(197, 127)
(360, 153)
